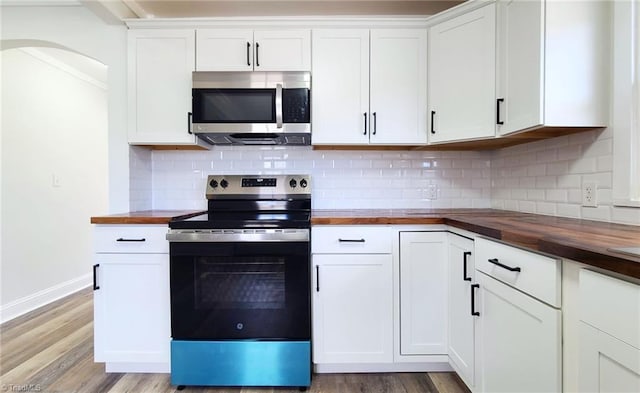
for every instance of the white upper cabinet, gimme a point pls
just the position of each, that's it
(249, 50)
(462, 76)
(553, 64)
(340, 86)
(398, 86)
(369, 87)
(160, 63)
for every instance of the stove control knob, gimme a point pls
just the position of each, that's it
(293, 183)
(303, 183)
(224, 183)
(213, 183)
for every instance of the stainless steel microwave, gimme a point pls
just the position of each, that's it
(252, 107)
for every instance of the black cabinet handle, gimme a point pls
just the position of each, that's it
(131, 240)
(375, 124)
(95, 277)
(464, 266)
(509, 268)
(257, 56)
(189, 116)
(317, 278)
(498, 101)
(433, 116)
(473, 300)
(248, 54)
(365, 123)
(351, 240)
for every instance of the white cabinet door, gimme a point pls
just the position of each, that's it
(131, 308)
(553, 64)
(160, 63)
(423, 293)
(224, 50)
(518, 341)
(282, 50)
(520, 65)
(462, 77)
(398, 86)
(461, 321)
(340, 86)
(606, 363)
(246, 50)
(352, 308)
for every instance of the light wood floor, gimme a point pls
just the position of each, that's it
(51, 350)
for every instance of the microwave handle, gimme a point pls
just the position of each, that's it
(279, 105)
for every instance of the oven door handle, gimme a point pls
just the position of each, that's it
(292, 235)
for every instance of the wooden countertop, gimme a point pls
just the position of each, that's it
(145, 217)
(584, 241)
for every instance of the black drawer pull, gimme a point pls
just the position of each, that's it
(464, 266)
(95, 276)
(351, 240)
(131, 240)
(509, 268)
(317, 278)
(473, 300)
(498, 101)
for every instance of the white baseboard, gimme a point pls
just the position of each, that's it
(28, 303)
(381, 367)
(156, 368)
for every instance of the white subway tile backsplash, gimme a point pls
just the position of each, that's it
(543, 177)
(340, 179)
(568, 161)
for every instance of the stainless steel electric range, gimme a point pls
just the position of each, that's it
(240, 285)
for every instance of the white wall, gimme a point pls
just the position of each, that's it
(54, 176)
(78, 29)
(340, 179)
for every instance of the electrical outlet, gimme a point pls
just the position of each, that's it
(589, 193)
(432, 192)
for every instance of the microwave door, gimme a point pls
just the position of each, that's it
(235, 106)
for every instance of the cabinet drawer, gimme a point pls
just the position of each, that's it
(131, 239)
(533, 274)
(611, 305)
(351, 240)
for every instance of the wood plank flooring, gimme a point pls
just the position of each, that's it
(51, 350)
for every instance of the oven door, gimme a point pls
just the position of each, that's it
(240, 290)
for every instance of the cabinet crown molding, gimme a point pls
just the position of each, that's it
(280, 22)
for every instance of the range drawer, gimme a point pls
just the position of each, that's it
(534, 274)
(351, 239)
(611, 305)
(131, 239)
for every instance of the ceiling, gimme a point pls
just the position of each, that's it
(215, 8)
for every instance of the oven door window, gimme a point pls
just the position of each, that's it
(234, 105)
(241, 290)
(242, 283)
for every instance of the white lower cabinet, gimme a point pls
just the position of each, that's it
(518, 337)
(609, 334)
(132, 327)
(352, 309)
(352, 294)
(461, 320)
(423, 293)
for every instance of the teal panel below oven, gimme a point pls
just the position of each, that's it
(241, 363)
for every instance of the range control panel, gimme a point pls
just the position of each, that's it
(239, 185)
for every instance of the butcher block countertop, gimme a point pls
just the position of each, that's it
(583, 241)
(145, 217)
(589, 242)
